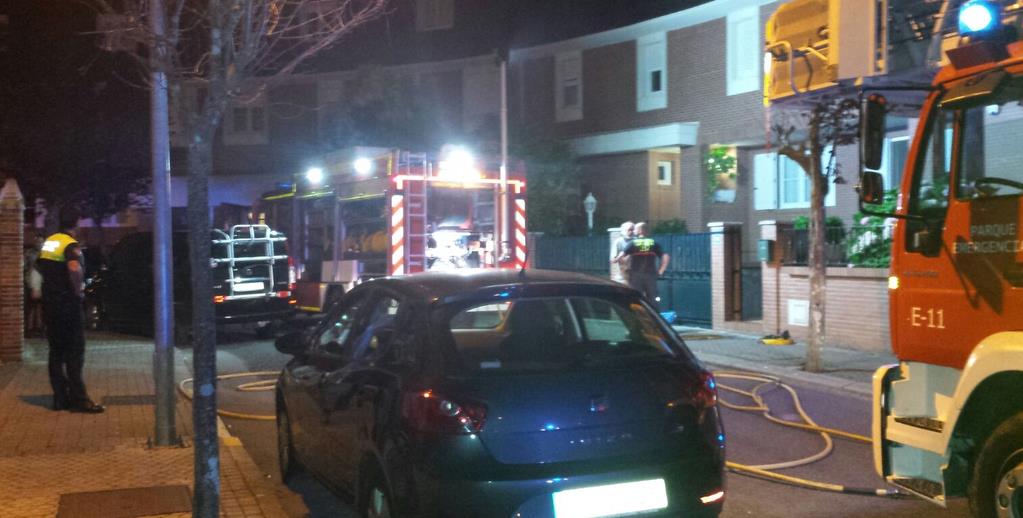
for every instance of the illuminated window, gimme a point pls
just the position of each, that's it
(780, 183)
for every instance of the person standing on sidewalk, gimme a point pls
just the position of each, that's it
(627, 230)
(60, 262)
(644, 253)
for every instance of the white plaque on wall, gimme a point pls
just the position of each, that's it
(799, 312)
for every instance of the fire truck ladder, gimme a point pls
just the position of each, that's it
(415, 165)
(249, 286)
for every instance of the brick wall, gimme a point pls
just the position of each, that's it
(622, 191)
(856, 306)
(12, 319)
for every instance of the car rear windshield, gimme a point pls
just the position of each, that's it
(552, 333)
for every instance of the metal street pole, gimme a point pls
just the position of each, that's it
(163, 288)
(505, 248)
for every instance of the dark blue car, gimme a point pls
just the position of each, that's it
(500, 393)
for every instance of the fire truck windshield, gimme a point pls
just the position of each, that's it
(988, 157)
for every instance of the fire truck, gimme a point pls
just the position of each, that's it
(368, 212)
(948, 418)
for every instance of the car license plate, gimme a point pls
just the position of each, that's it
(611, 500)
(249, 286)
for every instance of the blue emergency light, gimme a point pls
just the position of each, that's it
(978, 17)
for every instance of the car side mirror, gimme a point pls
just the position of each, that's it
(871, 187)
(872, 130)
(291, 343)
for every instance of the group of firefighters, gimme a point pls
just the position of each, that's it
(640, 259)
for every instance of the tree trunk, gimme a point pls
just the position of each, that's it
(204, 403)
(817, 260)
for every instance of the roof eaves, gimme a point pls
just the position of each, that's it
(670, 22)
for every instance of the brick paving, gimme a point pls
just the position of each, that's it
(44, 454)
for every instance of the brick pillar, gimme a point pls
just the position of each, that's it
(771, 276)
(725, 272)
(12, 294)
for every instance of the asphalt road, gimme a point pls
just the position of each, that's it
(751, 440)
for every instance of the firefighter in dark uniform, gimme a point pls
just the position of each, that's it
(60, 262)
(647, 262)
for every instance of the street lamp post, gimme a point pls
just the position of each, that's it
(590, 205)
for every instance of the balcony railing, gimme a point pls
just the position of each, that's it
(863, 246)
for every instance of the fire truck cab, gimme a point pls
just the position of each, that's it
(370, 212)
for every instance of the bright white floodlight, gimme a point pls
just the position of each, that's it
(314, 175)
(363, 166)
(459, 164)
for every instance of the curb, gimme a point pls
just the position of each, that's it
(856, 388)
(863, 390)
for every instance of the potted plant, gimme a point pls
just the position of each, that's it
(721, 173)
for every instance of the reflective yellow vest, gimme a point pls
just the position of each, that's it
(54, 247)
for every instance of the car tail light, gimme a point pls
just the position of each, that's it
(702, 395)
(283, 294)
(427, 410)
(706, 394)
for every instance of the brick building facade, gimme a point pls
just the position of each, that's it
(643, 104)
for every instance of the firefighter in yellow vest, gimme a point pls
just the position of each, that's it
(60, 263)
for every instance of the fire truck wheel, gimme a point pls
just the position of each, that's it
(996, 487)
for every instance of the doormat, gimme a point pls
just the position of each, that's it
(126, 503)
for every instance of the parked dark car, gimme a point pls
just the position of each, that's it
(498, 393)
(251, 282)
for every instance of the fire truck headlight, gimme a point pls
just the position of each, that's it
(314, 175)
(976, 16)
(363, 166)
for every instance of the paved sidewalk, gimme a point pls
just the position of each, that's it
(46, 454)
(847, 370)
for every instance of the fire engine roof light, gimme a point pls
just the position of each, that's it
(459, 164)
(363, 166)
(314, 175)
(977, 16)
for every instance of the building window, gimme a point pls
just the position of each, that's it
(664, 174)
(894, 159)
(434, 15)
(743, 54)
(568, 81)
(246, 125)
(651, 72)
(780, 183)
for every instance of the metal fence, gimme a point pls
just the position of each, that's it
(684, 288)
(867, 246)
(575, 254)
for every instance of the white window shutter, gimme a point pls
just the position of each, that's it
(743, 52)
(829, 200)
(765, 181)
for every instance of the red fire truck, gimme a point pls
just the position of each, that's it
(369, 212)
(948, 418)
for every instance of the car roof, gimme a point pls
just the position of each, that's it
(446, 287)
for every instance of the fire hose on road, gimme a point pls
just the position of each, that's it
(765, 471)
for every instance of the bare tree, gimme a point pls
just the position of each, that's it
(231, 51)
(803, 137)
